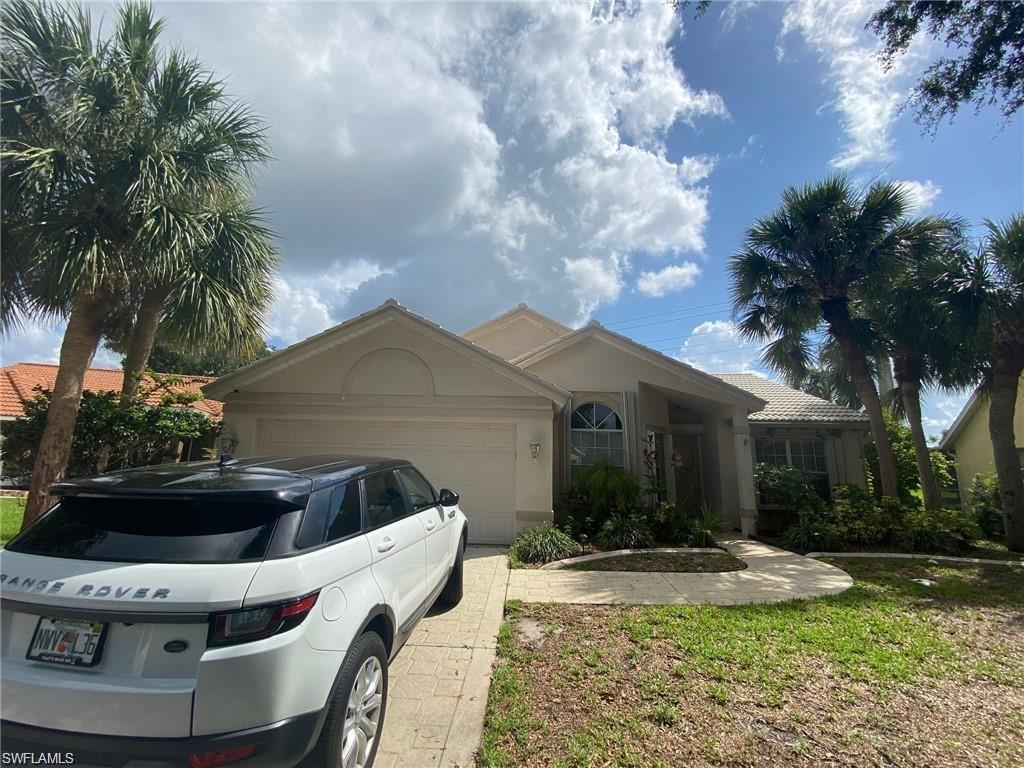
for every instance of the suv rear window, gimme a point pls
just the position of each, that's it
(153, 530)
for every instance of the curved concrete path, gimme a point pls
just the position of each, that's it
(772, 575)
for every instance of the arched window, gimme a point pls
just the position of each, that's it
(596, 436)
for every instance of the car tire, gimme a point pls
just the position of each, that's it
(345, 727)
(452, 592)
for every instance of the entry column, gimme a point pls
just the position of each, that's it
(744, 472)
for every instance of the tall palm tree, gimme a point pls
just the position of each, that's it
(215, 299)
(917, 333)
(109, 148)
(986, 295)
(802, 270)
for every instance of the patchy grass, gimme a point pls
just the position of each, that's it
(888, 673)
(660, 562)
(11, 510)
(984, 549)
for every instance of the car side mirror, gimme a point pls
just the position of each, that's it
(449, 498)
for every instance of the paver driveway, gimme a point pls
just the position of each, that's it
(440, 679)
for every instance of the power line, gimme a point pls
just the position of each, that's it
(664, 314)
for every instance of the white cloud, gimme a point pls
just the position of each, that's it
(304, 306)
(939, 409)
(921, 193)
(867, 97)
(593, 281)
(668, 280)
(717, 347)
(733, 11)
(39, 342)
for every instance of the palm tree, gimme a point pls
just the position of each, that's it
(215, 299)
(109, 149)
(917, 334)
(986, 295)
(803, 269)
(825, 378)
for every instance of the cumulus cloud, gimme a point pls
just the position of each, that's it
(921, 193)
(733, 11)
(717, 347)
(939, 410)
(867, 98)
(668, 280)
(494, 152)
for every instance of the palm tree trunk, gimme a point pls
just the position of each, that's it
(82, 336)
(1003, 403)
(910, 394)
(141, 345)
(885, 382)
(837, 315)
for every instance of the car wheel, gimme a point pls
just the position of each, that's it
(452, 593)
(352, 728)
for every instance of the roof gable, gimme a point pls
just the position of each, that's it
(593, 330)
(389, 312)
(516, 331)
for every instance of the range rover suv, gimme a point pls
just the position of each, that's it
(213, 613)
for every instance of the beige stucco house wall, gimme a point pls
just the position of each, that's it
(967, 439)
(493, 413)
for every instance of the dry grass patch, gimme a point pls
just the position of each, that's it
(888, 673)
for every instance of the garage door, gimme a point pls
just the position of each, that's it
(477, 460)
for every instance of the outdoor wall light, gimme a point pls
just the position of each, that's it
(535, 449)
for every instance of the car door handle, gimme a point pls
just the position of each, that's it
(430, 524)
(451, 512)
(386, 544)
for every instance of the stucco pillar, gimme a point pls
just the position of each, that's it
(744, 472)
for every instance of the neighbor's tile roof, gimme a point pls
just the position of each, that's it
(792, 405)
(18, 384)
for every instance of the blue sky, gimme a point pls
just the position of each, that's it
(463, 158)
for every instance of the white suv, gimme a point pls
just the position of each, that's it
(211, 613)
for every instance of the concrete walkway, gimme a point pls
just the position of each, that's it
(440, 679)
(772, 575)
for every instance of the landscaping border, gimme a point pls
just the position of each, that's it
(566, 562)
(908, 556)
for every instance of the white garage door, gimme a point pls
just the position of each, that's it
(476, 460)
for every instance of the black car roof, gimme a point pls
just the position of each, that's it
(289, 478)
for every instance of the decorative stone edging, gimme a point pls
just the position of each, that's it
(907, 556)
(565, 563)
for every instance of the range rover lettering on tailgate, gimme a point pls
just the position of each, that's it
(212, 613)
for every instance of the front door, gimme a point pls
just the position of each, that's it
(686, 473)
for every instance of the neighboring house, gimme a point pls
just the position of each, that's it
(508, 413)
(21, 382)
(967, 439)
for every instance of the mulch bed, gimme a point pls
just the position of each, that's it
(664, 562)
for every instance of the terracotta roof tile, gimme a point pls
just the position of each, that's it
(790, 405)
(18, 384)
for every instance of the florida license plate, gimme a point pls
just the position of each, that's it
(70, 642)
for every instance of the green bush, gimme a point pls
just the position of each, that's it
(783, 486)
(542, 544)
(907, 480)
(812, 533)
(983, 498)
(625, 532)
(942, 530)
(609, 489)
(858, 519)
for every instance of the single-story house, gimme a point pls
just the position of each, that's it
(21, 382)
(510, 411)
(968, 440)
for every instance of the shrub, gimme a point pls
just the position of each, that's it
(625, 532)
(907, 480)
(783, 486)
(608, 488)
(942, 530)
(542, 544)
(812, 533)
(985, 505)
(858, 519)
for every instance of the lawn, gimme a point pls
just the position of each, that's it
(891, 672)
(11, 510)
(660, 562)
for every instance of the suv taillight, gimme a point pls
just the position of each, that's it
(257, 623)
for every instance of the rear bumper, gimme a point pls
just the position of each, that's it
(280, 745)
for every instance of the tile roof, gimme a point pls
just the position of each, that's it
(18, 384)
(791, 405)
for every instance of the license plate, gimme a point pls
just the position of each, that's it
(70, 642)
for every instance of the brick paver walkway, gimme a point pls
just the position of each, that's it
(772, 575)
(439, 680)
